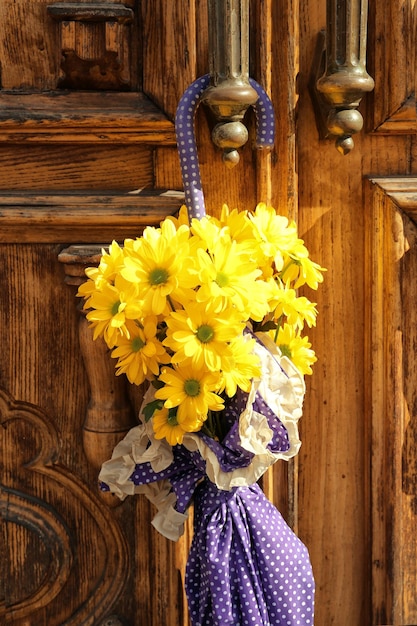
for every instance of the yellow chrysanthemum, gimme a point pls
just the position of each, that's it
(131, 248)
(201, 334)
(173, 304)
(140, 354)
(166, 426)
(229, 277)
(295, 309)
(209, 231)
(242, 367)
(234, 226)
(274, 232)
(161, 267)
(111, 262)
(238, 223)
(86, 289)
(110, 308)
(181, 219)
(299, 270)
(192, 391)
(296, 348)
(109, 267)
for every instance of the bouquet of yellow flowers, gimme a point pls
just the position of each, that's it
(180, 307)
(207, 313)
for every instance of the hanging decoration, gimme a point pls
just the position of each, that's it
(206, 313)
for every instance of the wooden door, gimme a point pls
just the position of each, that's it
(79, 137)
(357, 465)
(87, 98)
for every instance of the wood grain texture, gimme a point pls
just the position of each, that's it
(68, 160)
(80, 116)
(407, 398)
(40, 458)
(392, 60)
(91, 218)
(91, 12)
(356, 471)
(275, 30)
(169, 42)
(332, 457)
(29, 46)
(32, 41)
(73, 167)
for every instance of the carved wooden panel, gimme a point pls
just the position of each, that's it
(30, 60)
(392, 399)
(48, 515)
(105, 45)
(69, 45)
(107, 64)
(173, 23)
(82, 161)
(392, 63)
(67, 558)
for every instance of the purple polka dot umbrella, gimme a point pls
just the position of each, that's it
(187, 146)
(246, 566)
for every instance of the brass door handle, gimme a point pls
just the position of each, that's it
(230, 93)
(338, 92)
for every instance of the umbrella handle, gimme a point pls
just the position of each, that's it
(187, 145)
(265, 118)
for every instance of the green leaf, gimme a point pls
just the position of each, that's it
(150, 408)
(267, 326)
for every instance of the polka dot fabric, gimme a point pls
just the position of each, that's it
(187, 146)
(246, 567)
(265, 118)
(188, 468)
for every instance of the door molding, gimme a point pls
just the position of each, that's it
(28, 217)
(392, 58)
(391, 240)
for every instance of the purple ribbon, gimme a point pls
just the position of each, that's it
(188, 468)
(187, 145)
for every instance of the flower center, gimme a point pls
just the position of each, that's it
(137, 344)
(192, 387)
(158, 276)
(115, 308)
(172, 417)
(222, 279)
(205, 333)
(285, 350)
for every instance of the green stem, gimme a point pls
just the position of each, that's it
(209, 427)
(284, 269)
(280, 322)
(220, 425)
(170, 303)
